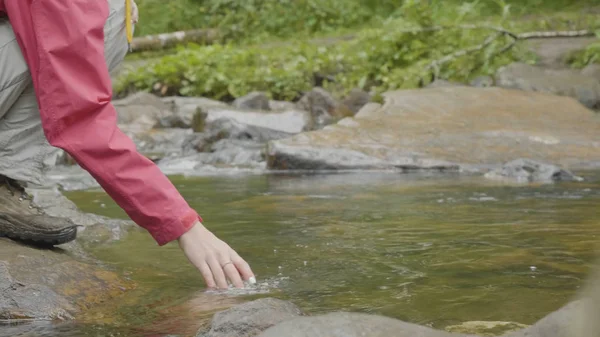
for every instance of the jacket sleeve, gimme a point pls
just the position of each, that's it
(63, 44)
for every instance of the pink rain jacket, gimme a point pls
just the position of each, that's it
(63, 44)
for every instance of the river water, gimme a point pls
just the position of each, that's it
(433, 250)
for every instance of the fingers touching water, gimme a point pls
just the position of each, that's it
(215, 260)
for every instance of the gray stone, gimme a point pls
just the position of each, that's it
(282, 105)
(525, 170)
(321, 105)
(592, 70)
(342, 324)
(250, 319)
(183, 110)
(439, 83)
(140, 107)
(291, 121)
(562, 82)
(159, 143)
(355, 100)
(482, 82)
(253, 101)
(448, 128)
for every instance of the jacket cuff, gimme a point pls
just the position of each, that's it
(171, 232)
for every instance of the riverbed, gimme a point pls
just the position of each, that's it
(435, 250)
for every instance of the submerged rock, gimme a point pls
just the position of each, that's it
(250, 319)
(486, 328)
(342, 324)
(563, 82)
(525, 170)
(446, 128)
(253, 101)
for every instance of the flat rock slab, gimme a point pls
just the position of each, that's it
(446, 128)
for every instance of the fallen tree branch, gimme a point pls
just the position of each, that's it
(555, 34)
(437, 63)
(515, 38)
(167, 40)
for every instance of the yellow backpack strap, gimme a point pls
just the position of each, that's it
(128, 23)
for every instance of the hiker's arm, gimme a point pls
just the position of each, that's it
(63, 44)
(65, 55)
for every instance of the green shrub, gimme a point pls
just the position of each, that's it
(385, 57)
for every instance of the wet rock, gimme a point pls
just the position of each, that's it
(446, 128)
(563, 82)
(486, 328)
(525, 170)
(183, 110)
(250, 319)
(292, 121)
(62, 282)
(40, 284)
(253, 101)
(341, 324)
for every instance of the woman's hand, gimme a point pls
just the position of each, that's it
(214, 258)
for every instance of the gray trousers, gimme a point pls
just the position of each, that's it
(25, 154)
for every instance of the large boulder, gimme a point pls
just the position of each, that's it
(343, 324)
(251, 318)
(446, 129)
(564, 82)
